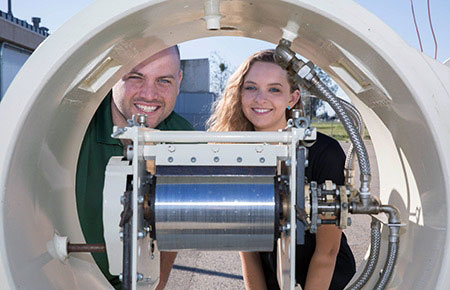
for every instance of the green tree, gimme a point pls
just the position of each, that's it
(220, 71)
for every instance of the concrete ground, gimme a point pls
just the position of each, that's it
(222, 270)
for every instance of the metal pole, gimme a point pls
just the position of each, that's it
(80, 248)
(10, 8)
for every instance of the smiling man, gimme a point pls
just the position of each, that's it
(150, 88)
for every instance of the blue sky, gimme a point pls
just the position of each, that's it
(396, 13)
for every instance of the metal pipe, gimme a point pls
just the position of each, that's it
(220, 137)
(375, 242)
(10, 8)
(394, 239)
(80, 248)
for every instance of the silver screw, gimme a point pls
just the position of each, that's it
(148, 280)
(262, 160)
(216, 159)
(170, 159)
(193, 159)
(239, 159)
(171, 148)
(286, 228)
(141, 119)
(139, 276)
(141, 235)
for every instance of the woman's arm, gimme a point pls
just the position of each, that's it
(252, 271)
(321, 267)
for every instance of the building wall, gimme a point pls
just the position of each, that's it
(12, 59)
(18, 39)
(195, 100)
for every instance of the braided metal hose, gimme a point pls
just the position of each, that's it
(358, 122)
(355, 137)
(375, 242)
(388, 266)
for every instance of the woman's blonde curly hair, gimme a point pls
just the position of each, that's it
(228, 115)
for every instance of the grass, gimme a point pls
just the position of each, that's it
(335, 130)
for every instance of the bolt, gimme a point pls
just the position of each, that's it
(139, 276)
(216, 159)
(148, 280)
(262, 160)
(141, 235)
(193, 159)
(141, 119)
(140, 199)
(344, 205)
(171, 148)
(259, 149)
(239, 159)
(285, 228)
(170, 159)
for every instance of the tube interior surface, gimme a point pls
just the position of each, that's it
(403, 97)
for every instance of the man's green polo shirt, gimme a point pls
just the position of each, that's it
(97, 148)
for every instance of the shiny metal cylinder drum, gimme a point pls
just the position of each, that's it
(215, 213)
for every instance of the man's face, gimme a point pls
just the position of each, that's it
(150, 88)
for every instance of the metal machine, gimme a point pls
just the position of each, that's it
(241, 191)
(402, 95)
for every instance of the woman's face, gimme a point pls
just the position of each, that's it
(265, 96)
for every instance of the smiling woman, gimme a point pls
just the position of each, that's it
(264, 92)
(265, 96)
(260, 96)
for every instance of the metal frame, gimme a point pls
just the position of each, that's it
(261, 149)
